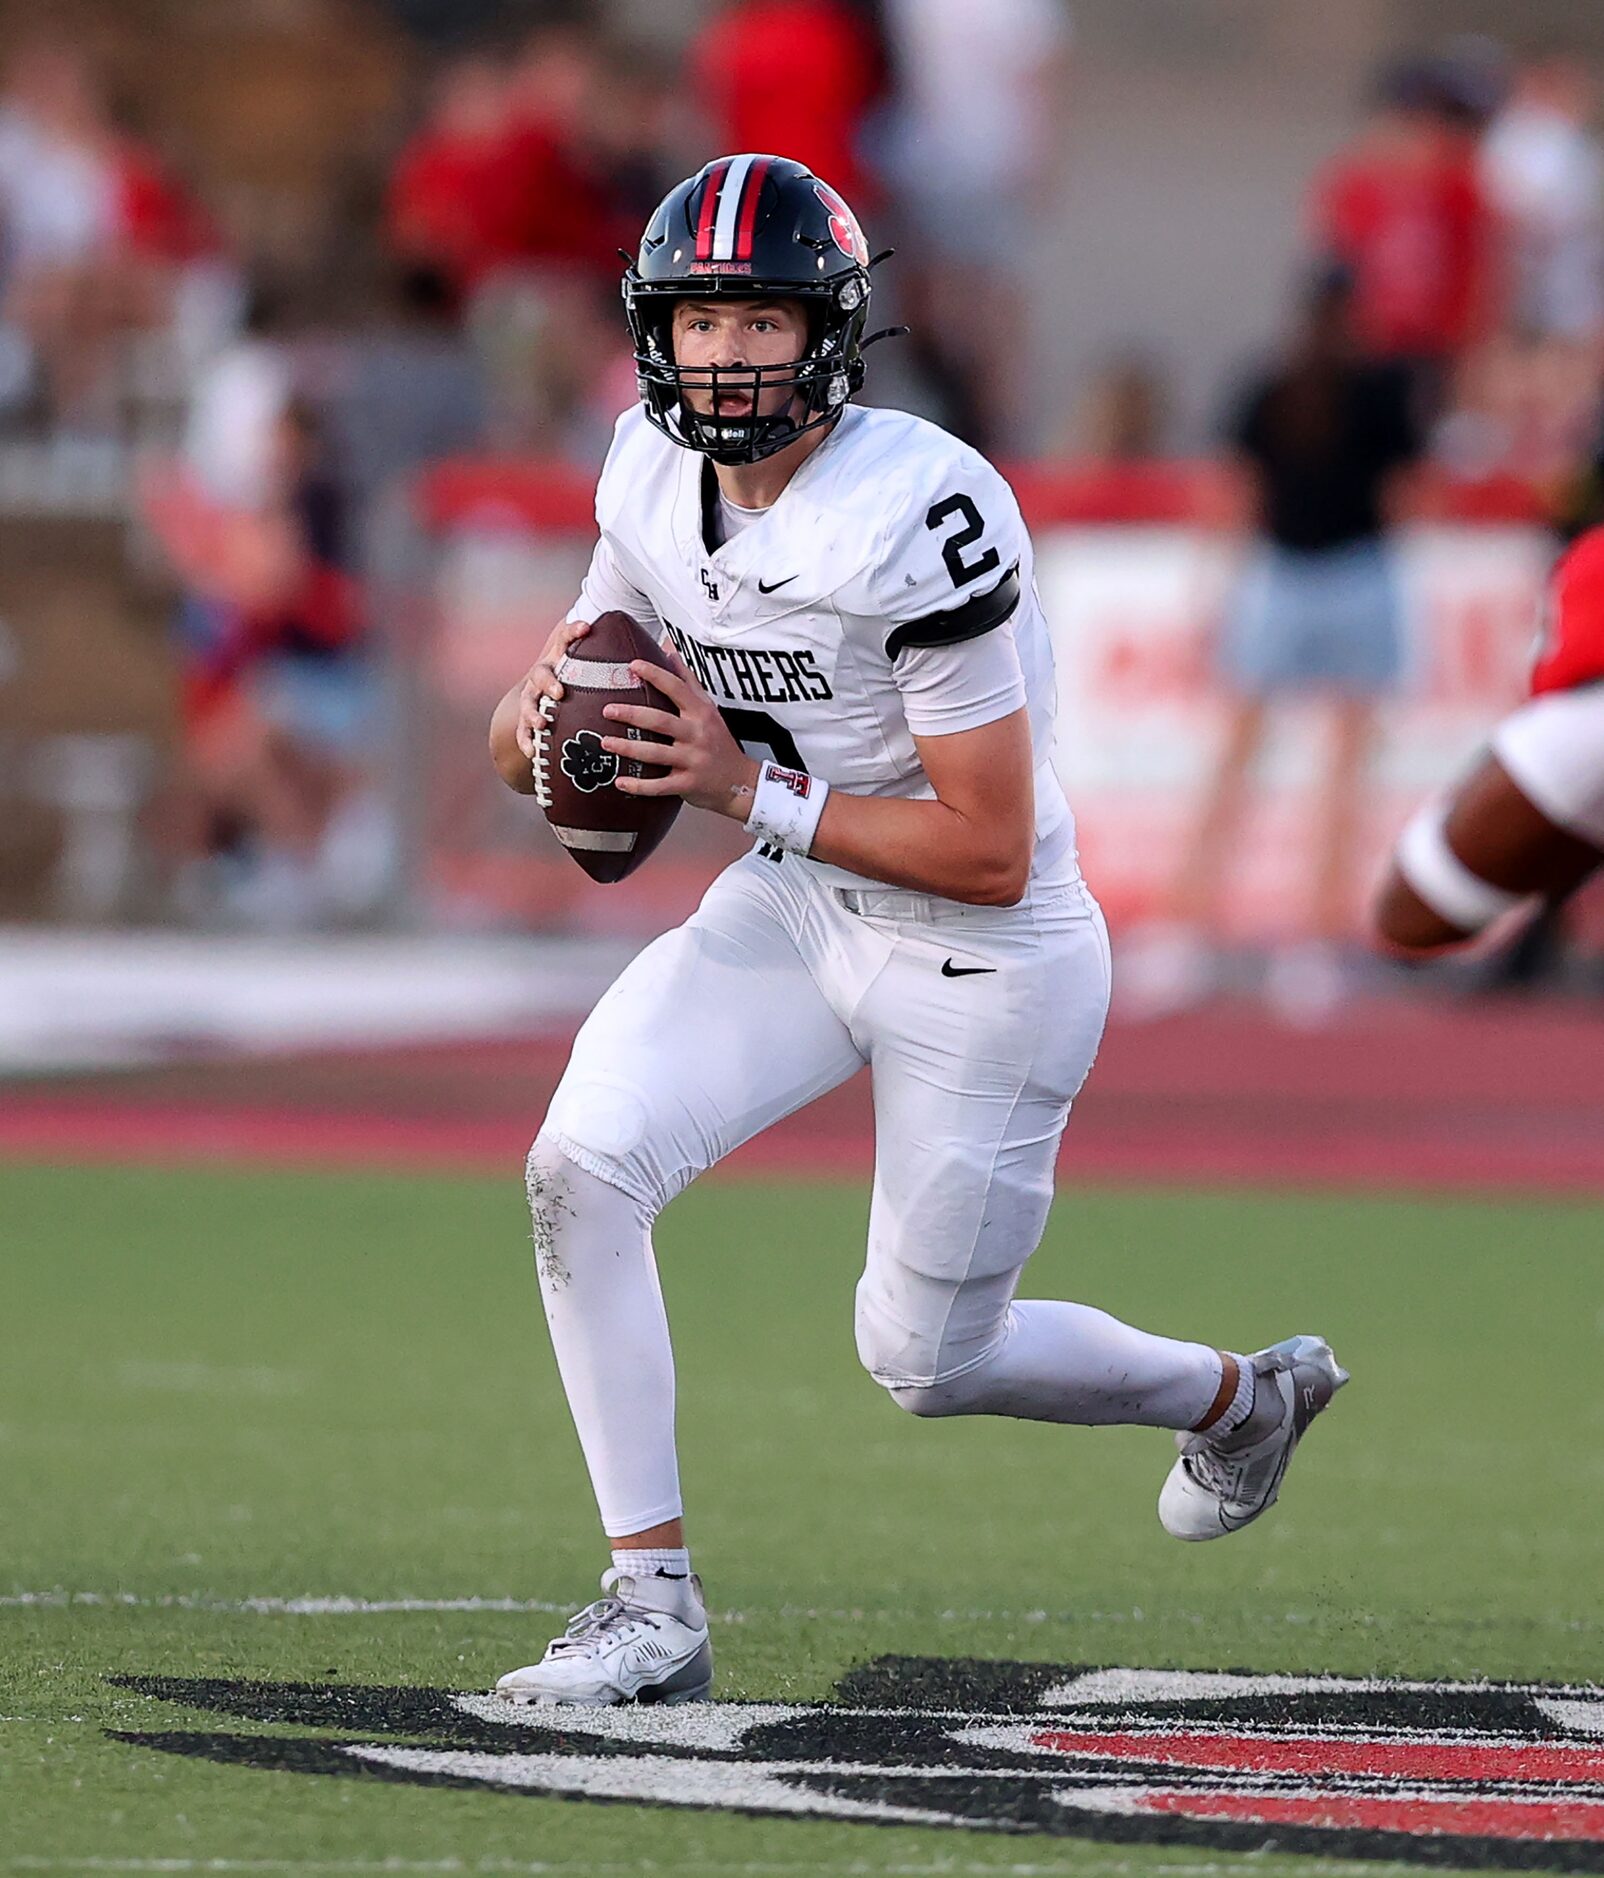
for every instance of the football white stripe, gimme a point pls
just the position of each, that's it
(729, 208)
(596, 675)
(595, 840)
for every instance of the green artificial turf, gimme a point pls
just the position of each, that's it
(224, 1386)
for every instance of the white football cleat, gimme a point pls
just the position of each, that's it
(1223, 1483)
(644, 1641)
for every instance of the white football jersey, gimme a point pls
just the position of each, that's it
(888, 593)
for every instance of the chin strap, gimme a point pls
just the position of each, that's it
(885, 332)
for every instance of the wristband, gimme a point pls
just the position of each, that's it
(786, 806)
(1442, 880)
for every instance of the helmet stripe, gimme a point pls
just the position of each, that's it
(705, 222)
(729, 209)
(749, 200)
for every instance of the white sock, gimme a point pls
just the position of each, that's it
(1072, 1363)
(598, 1281)
(652, 1561)
(1240, 1407)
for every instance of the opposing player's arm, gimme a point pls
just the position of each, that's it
(1525, 824)
(1530, 820)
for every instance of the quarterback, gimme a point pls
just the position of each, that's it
(863, 680)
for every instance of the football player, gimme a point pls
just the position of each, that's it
(1528, 822)
(865, 683)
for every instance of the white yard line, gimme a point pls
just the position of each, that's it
(344, 1606)
(58, 1599)
(266, 1607)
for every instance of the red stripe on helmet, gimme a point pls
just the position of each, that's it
(749, 201)
(709, 215)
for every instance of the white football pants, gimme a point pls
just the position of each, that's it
(979, 1025)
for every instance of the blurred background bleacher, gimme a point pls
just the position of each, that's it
(310, 348)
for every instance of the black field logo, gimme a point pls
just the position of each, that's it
(1507, 1775)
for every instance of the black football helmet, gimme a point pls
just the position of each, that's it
(750, 228)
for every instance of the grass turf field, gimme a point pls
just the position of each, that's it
(224, 1387)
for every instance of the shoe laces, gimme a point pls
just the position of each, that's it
(1211, 1469)
(588, 1629)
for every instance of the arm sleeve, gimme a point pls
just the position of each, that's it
(946, 689)
(949, 561)
(946, 587)
(1553, 751)
(608, 589)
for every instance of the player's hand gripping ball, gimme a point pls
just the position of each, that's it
(607, 831)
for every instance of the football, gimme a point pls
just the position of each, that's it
(607, 831)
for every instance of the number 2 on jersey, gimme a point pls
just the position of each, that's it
(760, 737)
(952, 549)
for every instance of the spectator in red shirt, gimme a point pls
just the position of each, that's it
(498, 176)
(1404, 213)
(157, 218)
(94, 230)
(569, 219)
(796, 77)
(453, 202)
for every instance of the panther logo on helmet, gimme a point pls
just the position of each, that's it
(843, 225)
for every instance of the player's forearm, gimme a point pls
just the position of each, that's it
(926, 846)
(512, 766)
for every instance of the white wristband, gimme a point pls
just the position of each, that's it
(1442, 880)
(786, 806)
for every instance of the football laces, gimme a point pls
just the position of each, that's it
(539, 765)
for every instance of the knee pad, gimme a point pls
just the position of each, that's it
(920, 1337)
(602, 1126)
(886, 1348)
(930, 1400)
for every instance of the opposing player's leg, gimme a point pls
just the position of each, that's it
(973, 1082)
(715, 1031)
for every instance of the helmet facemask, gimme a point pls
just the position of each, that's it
(828, 373)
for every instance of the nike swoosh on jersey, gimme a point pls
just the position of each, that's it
(777, 585)
(949, 970)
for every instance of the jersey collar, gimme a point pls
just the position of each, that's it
(707, 515)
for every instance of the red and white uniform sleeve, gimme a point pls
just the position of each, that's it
(1570, 647)
(1552, 748)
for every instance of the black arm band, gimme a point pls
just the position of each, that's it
(980, 615)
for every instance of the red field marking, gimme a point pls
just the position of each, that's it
(1474, 1819)
(1399, 1096)
(1474, 1761)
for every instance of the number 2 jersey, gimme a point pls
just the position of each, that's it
(888, 593)
(1552, 748)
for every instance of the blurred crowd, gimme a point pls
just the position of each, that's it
(102, 247)
(1453, 316)
(1469, 212)
(1451, 312)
